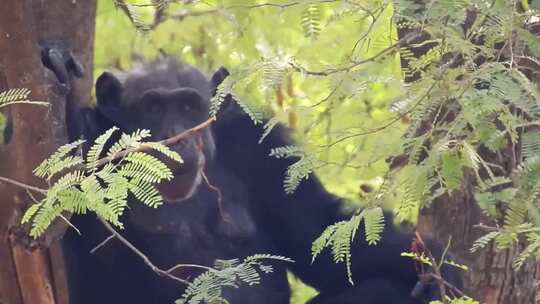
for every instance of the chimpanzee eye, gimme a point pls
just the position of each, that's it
(152, 101)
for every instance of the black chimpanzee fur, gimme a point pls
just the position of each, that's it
(380, 273)
(192, 227)
(255, 215)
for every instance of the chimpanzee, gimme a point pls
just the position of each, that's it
(194, 226)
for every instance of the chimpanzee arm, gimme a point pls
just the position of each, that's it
(58, 58)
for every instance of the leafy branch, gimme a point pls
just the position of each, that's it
(356, 63)
(18, 96)
(100, 185)
(207, 288)
(163, 273)
(156, 145)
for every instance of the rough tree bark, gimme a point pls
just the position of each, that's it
(491, 279)
(36, 276)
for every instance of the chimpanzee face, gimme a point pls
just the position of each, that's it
(166, 109)
(169, 112)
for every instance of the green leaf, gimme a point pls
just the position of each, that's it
(451, 171)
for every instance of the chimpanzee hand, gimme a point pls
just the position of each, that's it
(428, 287)
(60, 60)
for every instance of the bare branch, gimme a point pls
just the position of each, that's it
(182, 14)
(374, 19)
(453, 288)
(176, 267)
(388, 124)
(146, 260)
(435, 268)
(22, 185)
(103, 243)
(400, 43)
(167, 142)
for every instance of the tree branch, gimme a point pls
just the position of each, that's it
(181, 15)
(167, 142)
(146, 260)
(22, 185)
(388, 124)
(400, 43)
(436, 269)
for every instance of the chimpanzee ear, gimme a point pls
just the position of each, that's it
(108, 90)
(228, 106)
(218, 78)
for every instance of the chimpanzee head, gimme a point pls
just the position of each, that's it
(167, 98)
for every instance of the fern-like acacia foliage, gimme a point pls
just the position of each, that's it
(339, 236)
(299, 170)
(240, 77)
(207, 287)
(462, 300)
(100, 185)
(422, 258)
(311, 21)
(470, 123)
(17, 96)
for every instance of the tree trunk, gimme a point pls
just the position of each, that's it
(491, 278)
(36, 276)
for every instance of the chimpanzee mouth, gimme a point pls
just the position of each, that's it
(183, 185)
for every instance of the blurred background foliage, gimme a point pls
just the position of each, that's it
(207, 37)
(316, 36)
